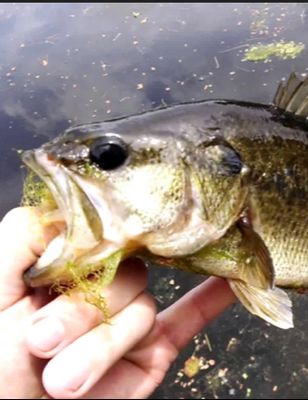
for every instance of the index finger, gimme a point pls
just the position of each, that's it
(184, 319)
(22, 240)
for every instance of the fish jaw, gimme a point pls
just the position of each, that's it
(83, 229)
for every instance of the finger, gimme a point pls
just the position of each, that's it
(22, 240)
(142, 369)
(73, 372)
(20, 373)
(63, 320)
(175, 327)
(185, 318)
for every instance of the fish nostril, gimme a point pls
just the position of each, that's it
(51, 157)
(68, 154)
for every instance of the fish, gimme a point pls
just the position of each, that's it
(215, 187)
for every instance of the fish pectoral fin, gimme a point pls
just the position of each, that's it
(272, 305)
(257, 268)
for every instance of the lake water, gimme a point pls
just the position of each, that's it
(65, 64)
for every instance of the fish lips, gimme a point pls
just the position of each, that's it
(51, 173)
(79, 237)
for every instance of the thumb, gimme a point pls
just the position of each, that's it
(23, 238)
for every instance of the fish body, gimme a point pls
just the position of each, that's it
(217, 187)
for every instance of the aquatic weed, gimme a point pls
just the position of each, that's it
(283, 50)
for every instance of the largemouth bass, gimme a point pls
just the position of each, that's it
(217, 187)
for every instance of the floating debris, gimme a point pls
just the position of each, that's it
(232, 345)
(216, 62)
(192, 366)
(124, 98)
(222, 372)
(117, 37)
(283, 50)
(245, 375)
(207, 341)
(259, 24)
(248, 392)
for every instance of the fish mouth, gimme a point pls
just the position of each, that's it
(83, 228)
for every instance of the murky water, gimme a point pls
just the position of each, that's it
(64, 64)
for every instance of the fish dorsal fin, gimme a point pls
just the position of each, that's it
(293, 96)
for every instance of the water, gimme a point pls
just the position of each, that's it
(64, 64)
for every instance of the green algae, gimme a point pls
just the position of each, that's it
(282, 50)
(36, 193)
(91, 281)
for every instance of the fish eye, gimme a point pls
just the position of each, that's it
(108, 154)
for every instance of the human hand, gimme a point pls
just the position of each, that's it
(57, 347)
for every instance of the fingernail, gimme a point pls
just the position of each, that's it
(46, 334)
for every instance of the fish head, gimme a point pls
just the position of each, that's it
(126, 185)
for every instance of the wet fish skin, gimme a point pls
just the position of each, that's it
(274, 147)
(223, 190)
